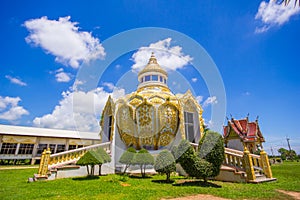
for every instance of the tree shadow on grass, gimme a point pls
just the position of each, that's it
(163, 181)
(196, 183)
(85, 178)
(139, 177)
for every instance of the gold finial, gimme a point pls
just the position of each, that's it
(152, 59)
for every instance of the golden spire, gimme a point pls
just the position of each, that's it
(152, 59)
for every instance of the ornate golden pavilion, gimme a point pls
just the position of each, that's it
(152, 117)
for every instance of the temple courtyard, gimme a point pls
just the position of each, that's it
(14, 185)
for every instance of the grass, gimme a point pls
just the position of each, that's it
(13, 185)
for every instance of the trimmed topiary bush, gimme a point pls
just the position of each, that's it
(165, 163)
(143, 158)
(127, 157)
(191, 163)
(90, 158)
(93, 158)
(211, 148)
(104, 156)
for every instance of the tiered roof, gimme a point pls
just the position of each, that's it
(247, 131)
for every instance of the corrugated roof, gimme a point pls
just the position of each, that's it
(46, 132)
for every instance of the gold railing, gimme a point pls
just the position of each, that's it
(49, 161)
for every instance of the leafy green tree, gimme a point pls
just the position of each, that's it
(143, 158)
(90, 158)
(127, 157)
(104, 157)
(283, 153)
(211, 149)
(165, 163)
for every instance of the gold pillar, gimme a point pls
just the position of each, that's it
(265, 164)
(248, 165)
(43, 168)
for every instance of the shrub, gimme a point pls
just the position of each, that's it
(127, 157)
(165, 163)
(93, 158)
(104, 156)
(191, 163)
(143, 158)
(90, 158)
(211, 149)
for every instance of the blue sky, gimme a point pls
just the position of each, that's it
(254, 44)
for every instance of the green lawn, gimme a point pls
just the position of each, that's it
(13, 185)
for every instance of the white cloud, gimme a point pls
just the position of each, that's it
(210, 101)
(16, 80)
(274, 14)
(169, 57)
(62, 76)
(247, 93)
(199, 98)
(78, 110)
(110, 86)
(63, 39)
(10, 110)
(194, 80)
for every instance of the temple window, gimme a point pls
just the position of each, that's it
(161, 78)
(8, 148)
(147, 78)
(189, 126)
(154, 77)
(26, 148)
(165, 81)
(109, 127)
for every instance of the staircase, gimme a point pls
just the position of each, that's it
(241, 166)
(50, 163)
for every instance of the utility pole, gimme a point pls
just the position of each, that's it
(272, 151)
(288, 141)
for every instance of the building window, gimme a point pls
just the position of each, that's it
(79, 146)
(147, 78)
(165, 81)
(52, 148)
(40, 149)
(8, 148)
(189, 126)
(109, 127)
(154, 78)
(161, 79)
(26, 148)
(71, 147)
(60, 148)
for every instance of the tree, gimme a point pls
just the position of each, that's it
(89, 158)
(143, 158)
(127, 157)
(165, 163)
(93, 158)
(286, 154)
(103, 155)
(283, 153)
(211, 148)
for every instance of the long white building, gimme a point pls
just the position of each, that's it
(19, 142)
